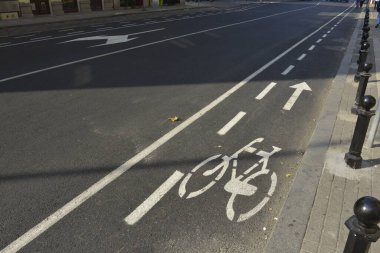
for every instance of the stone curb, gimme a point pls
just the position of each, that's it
(287, 235)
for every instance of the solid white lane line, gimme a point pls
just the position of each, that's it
(45, 224)
(231, 123)
(324, 35)
(265, 91)
(76, 32)
(287, 70)
(41, 38)
(66, 30)
(318, 41)
(153, 199)
(5, 43)
(25, 36)
(311, 48)
(301, 57)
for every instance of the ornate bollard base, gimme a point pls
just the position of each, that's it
(353, 161)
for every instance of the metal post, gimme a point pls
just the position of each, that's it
(362, 58)
(363, 81)
(353, 157)
(363, 225)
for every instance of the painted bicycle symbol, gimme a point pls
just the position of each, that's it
(238, 185)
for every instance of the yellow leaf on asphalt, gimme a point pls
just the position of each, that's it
(173, 119)
(289, 174)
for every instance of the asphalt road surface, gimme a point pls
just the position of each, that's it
(179, 133)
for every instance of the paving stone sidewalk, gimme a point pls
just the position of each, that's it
(340, 186)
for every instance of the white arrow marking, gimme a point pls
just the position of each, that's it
(299, 88)
(265, 91)
(110, 40)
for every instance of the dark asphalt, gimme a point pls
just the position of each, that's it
(63, 129)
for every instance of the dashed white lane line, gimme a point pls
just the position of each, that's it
(153, 199)
(66, 30)
(311, 48)
(287, 70)
(41, 38)
(266, 91)
(75, 32)
(318, 41)
(25, 36)
(231, 123)
(324, 35)
(302, 56)
(104, 28)
(70, 206)
(328, 32)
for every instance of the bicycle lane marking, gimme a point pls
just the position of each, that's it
(45, 224)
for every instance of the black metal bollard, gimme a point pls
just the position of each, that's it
(353, 157)
(365, 36)
(363, 225)
(363, 45)
(363, 81)
(362, 58)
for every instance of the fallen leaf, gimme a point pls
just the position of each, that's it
(275, 218)
(289, 174)
(270, 209)
(219, 146)
(264, 228)
(173, 119)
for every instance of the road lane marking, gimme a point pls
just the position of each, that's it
(97, 25)
(186, 35)
(5, 43)
(302, 56)
(153, 199)
(66, 30)
(328, 32)
(311, 48)
(70, 206)
(231, 123)
(76, 32)
(41, 38)
(318, 41)
(265, 91)
(299, 88)
(287, 70)
(25, 36)
(324, 35)
(104, 28)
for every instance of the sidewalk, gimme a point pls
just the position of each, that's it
(325, 188)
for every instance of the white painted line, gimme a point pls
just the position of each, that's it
(324, 35)
(153, 199)
(97, 25)
(104, 28)
(318, 41)
(265, 91)
(129, 25)
(328, 32)
(40, 38)
(25, 36)
(302, 56)
(66, 30)
(232, 123)
(45, 224)
(151, 22)
(311, 48)
(5, 43)
(76, 32)
(335, 25)
(287, 70)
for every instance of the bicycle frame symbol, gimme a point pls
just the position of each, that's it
(237, 185)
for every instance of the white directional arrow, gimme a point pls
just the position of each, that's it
(109, 39)
(299, 88)
(113, 39)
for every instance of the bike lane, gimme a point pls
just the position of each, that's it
(201, 223)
